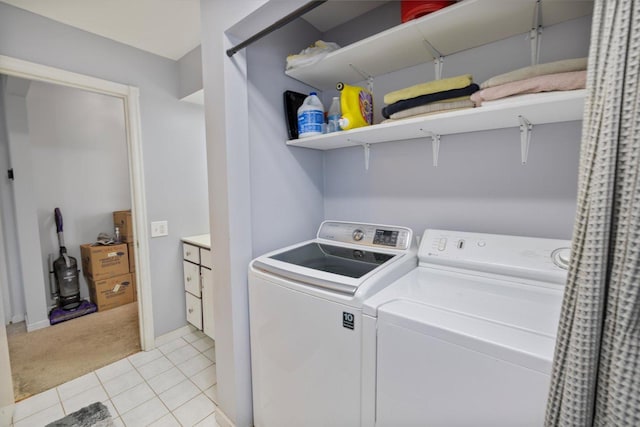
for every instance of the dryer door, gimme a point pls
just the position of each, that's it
(438, 367)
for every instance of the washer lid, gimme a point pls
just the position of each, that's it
(340, 260)
(521, 347)
(342, 257)
(335, 268)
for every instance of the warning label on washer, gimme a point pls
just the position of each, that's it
(347, 320)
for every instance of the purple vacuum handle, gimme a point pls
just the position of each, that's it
(58, 216)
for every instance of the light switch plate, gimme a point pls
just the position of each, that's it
(159, 228)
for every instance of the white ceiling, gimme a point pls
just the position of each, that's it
(169, 28)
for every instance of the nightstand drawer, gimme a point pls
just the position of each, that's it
(191, 253)
(194, 310)
(191, 278)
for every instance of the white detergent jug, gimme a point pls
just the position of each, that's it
(311, 116)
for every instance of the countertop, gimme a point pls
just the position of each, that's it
(202, 240)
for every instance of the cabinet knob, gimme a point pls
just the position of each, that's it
(188, 253)
(190, 310)
(188, 278)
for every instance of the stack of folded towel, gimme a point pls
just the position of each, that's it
(427, 98)
(568, 74)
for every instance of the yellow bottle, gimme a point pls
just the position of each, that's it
(356, 104)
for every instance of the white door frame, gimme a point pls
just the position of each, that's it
(130, 97)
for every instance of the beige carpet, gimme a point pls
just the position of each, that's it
(46, 358)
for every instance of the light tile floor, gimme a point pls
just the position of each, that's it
(172, 385)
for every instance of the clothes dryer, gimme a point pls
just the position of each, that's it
(467, 338)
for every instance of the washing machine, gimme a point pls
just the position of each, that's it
(468, 337)
(305, 312)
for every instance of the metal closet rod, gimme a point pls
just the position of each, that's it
(271, 28)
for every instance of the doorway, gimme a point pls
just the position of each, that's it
(129, 97)
(67, 148)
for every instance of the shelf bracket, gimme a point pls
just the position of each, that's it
(435, 145)
(438, 59)
(365, 76)
(535, 34)
(525, 138)
(367, 151)
(367, 154)
(438, 63)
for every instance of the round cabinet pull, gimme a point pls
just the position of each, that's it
(190, 310)
(188, 278)
(188, 253)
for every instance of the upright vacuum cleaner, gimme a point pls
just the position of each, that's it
(64, 279)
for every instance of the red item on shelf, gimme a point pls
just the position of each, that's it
(411, 9)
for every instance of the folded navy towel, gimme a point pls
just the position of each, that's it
(426, 99)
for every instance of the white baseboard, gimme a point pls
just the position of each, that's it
(17, 318)
(6, 415)
(174, 335)
(222, 419)
(38, 325)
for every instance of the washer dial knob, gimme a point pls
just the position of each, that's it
(357, 234)
(561, 257)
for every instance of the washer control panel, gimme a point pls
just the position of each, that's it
(527, 257)
(388, 236)
(385, 237)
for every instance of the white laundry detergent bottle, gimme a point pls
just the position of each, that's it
(311, 116)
